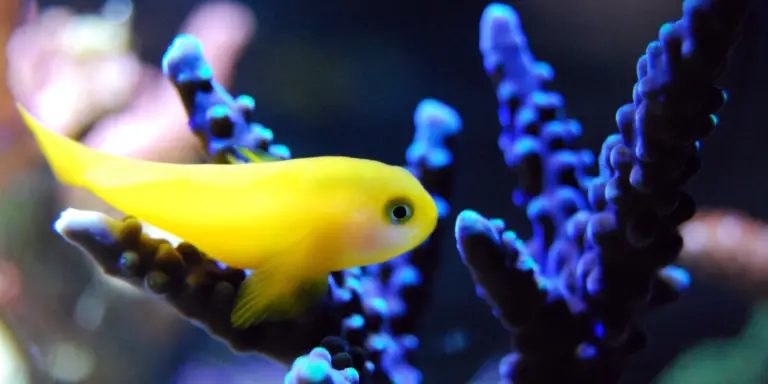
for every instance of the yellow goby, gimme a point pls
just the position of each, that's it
(291, 221)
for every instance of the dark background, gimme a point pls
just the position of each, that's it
(343, 77)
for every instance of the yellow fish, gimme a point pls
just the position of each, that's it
(291, 221)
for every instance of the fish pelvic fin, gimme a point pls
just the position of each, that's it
(68, 158)
(268, 294)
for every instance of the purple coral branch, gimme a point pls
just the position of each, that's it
(430, 158)
(317, 367)
(602, 247)
(400, 288)
(222, 122)
(196, 286)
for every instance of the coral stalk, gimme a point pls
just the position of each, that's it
(603, 246)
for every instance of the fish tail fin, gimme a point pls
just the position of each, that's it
(69, 159)
(268, 294)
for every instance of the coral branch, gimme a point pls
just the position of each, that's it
(318, 368)
(506, 277)
(430, 158)
(196, 286)
(602, 247)
(221, 122)
(406, 281)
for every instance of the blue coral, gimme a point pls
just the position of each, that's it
(603, 246)
(317, 367)
(225, 123)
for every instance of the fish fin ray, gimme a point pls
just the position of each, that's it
(272, 292)
(232, 159)
(247, 156)
(311, 291)
(256, 156)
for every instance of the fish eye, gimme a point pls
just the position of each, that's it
(399, 211)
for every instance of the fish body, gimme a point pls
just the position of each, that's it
(291, 221)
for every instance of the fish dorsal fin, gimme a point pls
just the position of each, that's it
(274, 292)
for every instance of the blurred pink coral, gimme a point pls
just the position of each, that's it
(10, 284)
(729, 245)
(71, 68)
(69, 81)
(72, 82)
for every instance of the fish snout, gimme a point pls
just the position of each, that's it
(431, 213)
(427, 220)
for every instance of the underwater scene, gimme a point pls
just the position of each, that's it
(400, 192)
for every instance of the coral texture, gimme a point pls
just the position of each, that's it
(603, 246)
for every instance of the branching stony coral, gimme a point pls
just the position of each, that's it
(601, 250)
(603, 246)
(362, 331)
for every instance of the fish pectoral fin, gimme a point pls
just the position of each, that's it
(233, 160)
(249, 156)
(311, 291)
(256, 155)
(268, 294)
